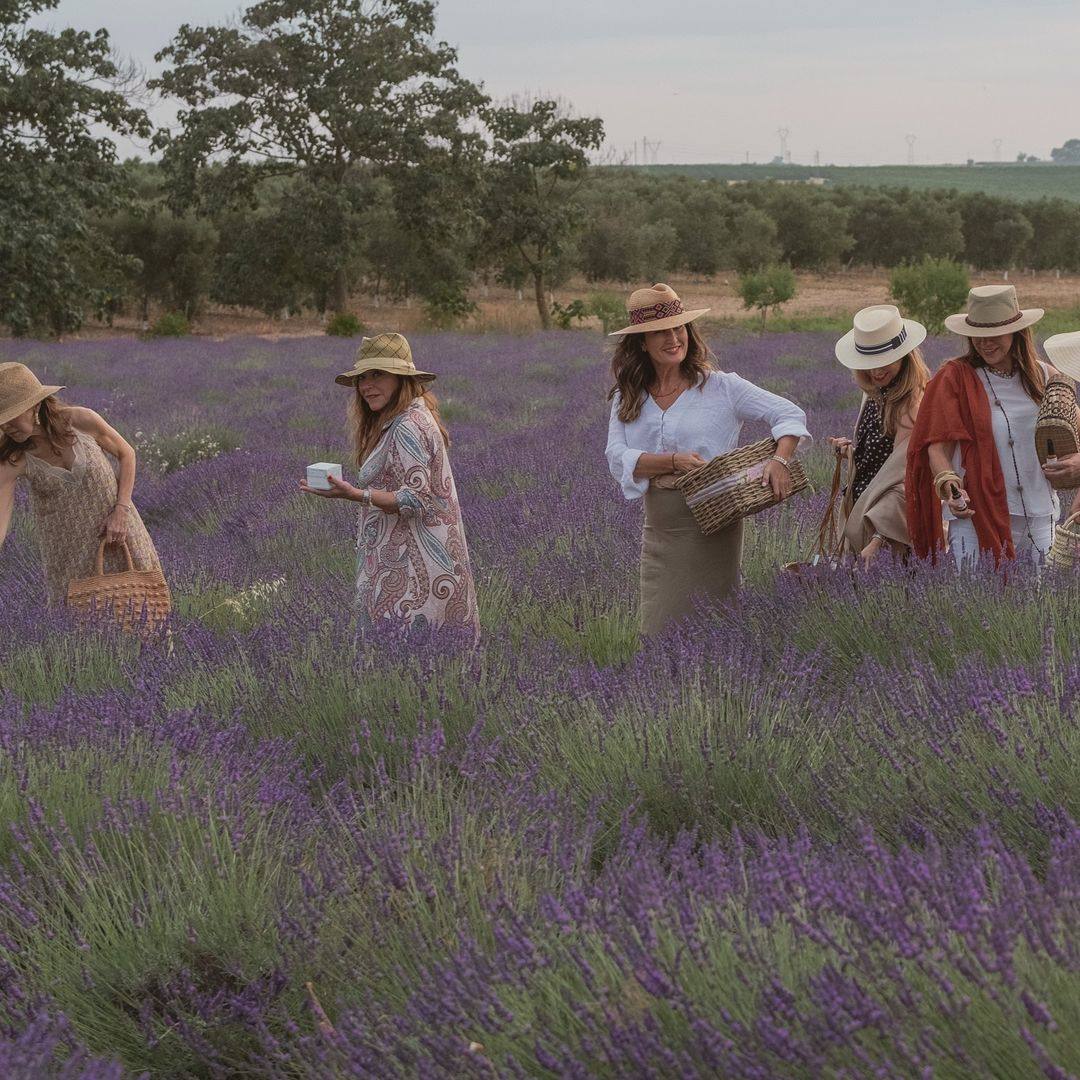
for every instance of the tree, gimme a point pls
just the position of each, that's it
(929, 290)
(996, 232)
(752, 242)
(1069, 154)
(330, 92)
(56, 171)
(890, 228)
(812, 229)
(768, 288)
(538, 165)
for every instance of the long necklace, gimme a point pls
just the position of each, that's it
(1012, 453)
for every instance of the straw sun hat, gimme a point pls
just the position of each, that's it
(386, 352)
(658, 308)
(20, 390)
(1064, 353)
(992, 310)
(879, 336)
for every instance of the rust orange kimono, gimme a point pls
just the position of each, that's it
(955, 409)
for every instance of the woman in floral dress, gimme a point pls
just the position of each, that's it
(76, 498)
(413, 564)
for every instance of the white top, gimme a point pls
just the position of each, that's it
(705, 420)
(1039, 497)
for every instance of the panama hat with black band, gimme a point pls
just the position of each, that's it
(879, 336)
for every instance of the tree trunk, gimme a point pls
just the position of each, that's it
(541, 299)
(339, 292)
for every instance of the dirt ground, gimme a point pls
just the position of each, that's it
(504, 310)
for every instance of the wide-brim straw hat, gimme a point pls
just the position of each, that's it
(1064, 353)
(993, 310)
(20, 390)
(658, 308)
(879, 336)
(385, 352)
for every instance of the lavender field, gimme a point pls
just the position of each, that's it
(827, 831)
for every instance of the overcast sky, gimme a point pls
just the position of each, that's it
(714, 80)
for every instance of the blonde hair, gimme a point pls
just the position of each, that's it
(1024, 355)
(906, 393)
(367, 426)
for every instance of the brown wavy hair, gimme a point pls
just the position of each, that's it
(58, 432)
(1026, 358)
(635, 375)
(366, 426)
(907, 390)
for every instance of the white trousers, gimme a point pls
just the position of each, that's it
(964, 544)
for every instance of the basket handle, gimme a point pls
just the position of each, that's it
(101, 556)
(827, 542)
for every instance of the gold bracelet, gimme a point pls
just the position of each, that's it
(946, 476)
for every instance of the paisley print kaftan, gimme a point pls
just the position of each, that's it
(413, 567)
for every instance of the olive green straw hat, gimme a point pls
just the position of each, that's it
(386, 352)
(20, 390)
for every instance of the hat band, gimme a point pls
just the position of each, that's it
(989, 325)
(873, 350)
(656, 311)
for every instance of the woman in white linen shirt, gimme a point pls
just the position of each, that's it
(671, 411)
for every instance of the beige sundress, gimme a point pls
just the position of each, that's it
(69, 507)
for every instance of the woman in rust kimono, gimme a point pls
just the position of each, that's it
(413, 565)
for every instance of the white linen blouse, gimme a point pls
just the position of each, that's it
(707, 420)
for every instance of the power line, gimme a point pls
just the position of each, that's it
(910, 149)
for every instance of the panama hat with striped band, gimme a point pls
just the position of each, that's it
(20, 390)
(385, 352)
(993, 310)
(879, 336)
(658, 308)
(1064, 353)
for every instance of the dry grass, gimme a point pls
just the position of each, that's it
(501, 310)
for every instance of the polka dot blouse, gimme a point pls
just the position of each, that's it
(872, 445)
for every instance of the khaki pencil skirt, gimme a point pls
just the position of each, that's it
(679, 563)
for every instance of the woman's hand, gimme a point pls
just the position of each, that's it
(115, 526)
(687, 462)
(778, 477)
(839, 443)
(339, 489)
(867, 554)
(960, 506)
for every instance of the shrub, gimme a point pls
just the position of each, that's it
(768, 288)
(563, 317)
(930, 290)
(171, 324)
(344, 324)
(448, 307)
(609, 308)
(168, 453)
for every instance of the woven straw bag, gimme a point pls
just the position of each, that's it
(128, 594)
(728, 488)
(1064, 552)
(1055, 428)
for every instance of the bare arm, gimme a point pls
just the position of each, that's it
(115, 526)
(940, 456)
(650, 465)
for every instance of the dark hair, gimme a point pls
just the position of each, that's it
(57, 431)
(1026, 358)
(635, 375)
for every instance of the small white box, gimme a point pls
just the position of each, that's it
(317, 474)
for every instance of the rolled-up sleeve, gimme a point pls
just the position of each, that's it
(622, 459)
(784, 417)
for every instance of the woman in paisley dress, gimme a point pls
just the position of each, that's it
(76, 497)
(413, 564)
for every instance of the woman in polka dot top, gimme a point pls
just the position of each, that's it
(882, 352)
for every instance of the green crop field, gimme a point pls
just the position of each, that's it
(1012, 180)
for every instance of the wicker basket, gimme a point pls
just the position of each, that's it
(1055, 428)
(728, 488)
(1064, 552)
(124, 596)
